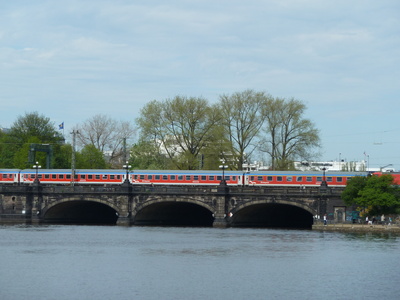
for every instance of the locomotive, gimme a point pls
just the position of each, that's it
(180, 177)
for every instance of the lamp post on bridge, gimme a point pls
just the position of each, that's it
(323, 183)
(127, 166)
(223, 167)
(37, 167)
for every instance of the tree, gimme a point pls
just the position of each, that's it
(28, 129)
(107, 136)
(181, 128)
(90, 158)
(376, 194)
(146, 156)
(34, 125)
(242, 120)
(289, 135)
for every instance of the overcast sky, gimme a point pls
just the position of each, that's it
(71, 60)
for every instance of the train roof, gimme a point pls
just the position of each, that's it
(77, 171)
(307, 173)
(183, 172)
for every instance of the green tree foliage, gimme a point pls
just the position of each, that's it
(182, 128)
(34, 125)
(241, 120)
(27, 129)
(90, 158)
(145, 155)
(7, 151)
(378, 194)
(289, 136)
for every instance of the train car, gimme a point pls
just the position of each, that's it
(9, 176)
(395, 175)
(179, 177)
(64, 176)
(298, 178)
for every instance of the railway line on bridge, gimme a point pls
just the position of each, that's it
(165, 205)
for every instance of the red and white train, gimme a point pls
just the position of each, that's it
(178, 177)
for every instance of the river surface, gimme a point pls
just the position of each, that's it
(111, 262)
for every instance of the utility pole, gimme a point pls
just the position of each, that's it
(74, 133)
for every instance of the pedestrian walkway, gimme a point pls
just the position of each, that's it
(357, 227)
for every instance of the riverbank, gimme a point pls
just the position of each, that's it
(357, 228)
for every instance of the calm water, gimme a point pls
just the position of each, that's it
(100, 262)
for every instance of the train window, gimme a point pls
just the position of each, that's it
(157, 177)
(252, 178)
(195, 177)
(259, 178)
(150, 177)
(219, 177)
(204, 178)
(47, 176)
(339, 179)
(40, 176)
(173, 177)
(233, 178)
(289, 178)
(61, 176)
(75, 177)
(180, 177)
(142, 177)
(68, 176)
(90, 177)
(112, 177)
(83, 176)
(319, 178)
(165, 177)
(329, 179)
(105, 177)
(188, 177)
(227, 178)
(269, 178)
(309, 179)
(299, 179)
(53, 176)
(279, 178)
(97, 176)
(212, 178)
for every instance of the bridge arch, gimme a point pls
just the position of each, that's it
(78, 210)
(182, 211)
(272, 213)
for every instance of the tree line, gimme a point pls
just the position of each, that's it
(190, 133)
(176, 133)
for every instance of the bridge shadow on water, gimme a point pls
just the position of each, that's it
(180, 214)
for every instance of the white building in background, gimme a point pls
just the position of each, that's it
(328, 165)
(341, 166)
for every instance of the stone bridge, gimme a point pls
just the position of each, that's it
(218, 206)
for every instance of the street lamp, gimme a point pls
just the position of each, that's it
(126, 167)
(323, 183)
(37, 167)
(223, 167)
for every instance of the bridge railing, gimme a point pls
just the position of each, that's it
(172, 189)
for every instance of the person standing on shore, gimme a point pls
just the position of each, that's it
(325, 221)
